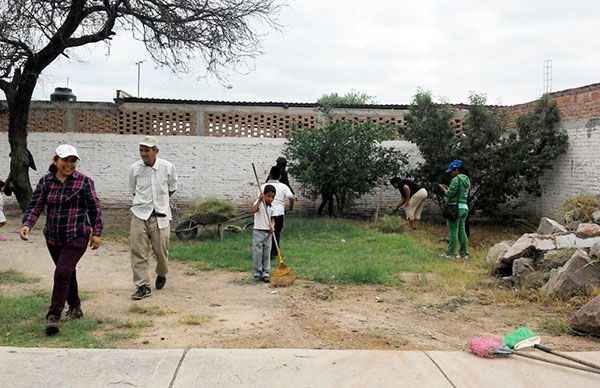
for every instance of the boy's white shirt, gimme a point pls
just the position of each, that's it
(261, 222)
(282, 194)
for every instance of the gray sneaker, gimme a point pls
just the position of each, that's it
(141, 293)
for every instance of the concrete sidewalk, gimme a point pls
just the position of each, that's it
(22, 367)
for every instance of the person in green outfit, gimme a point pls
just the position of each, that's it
(457, 193)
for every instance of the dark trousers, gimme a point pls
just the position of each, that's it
(327, 200)
(278, 228)
(66, 257)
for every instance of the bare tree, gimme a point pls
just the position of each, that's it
(34, 33)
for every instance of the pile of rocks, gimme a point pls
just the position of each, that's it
(558, 261)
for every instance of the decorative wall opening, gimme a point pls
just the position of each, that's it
(255, 125)
(157, 123)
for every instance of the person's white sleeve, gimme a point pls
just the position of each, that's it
(172, 181)
(132, 180)
(288, 192)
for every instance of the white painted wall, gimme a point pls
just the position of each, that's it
(221, 167)
(207, 166)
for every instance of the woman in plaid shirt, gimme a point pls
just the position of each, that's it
(73, 214)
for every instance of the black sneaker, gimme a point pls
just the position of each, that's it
(266, 279)
(160, 282)
(141, 293)
(52, 325)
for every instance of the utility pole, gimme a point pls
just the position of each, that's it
(139, 63)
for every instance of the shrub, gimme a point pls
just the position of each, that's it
(580, 208)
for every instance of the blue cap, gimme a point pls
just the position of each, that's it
(455, 164)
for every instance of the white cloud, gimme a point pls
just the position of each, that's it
(386, 49)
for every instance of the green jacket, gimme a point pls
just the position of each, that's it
(458, 189)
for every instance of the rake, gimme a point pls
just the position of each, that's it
(284, 275)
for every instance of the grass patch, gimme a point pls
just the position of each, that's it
(346, 251)
(24, 320)
(556, 327)
(195, 319)
(10, 276)
(148, 310)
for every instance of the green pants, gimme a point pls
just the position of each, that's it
(457, 233)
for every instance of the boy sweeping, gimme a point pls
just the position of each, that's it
(262, 234)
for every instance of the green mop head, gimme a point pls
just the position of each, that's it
(519, 335)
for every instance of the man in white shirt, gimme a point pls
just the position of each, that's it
(284, 193)
(152, 181)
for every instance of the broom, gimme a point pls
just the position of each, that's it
(524, 337)
(494, 346)
(284, 275)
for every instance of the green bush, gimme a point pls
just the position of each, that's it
(390, 224)
(580, 208)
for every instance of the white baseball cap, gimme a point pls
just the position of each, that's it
(149, 141)
(66, 150)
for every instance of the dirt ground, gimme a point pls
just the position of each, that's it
(236, 313)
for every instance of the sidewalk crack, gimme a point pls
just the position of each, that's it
(440, 369)
(185, 351)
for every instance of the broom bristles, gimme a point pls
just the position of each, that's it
(521, 334)
(486, 346)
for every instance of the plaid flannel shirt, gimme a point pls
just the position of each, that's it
(73, 208)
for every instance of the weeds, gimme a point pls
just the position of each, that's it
(148, 310)
(11, 276)
(196, 319)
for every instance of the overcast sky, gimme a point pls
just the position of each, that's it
(385, 48)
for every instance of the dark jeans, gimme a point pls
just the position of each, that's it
(278, 228)
(66, 257)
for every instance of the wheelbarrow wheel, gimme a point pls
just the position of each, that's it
(186, 230)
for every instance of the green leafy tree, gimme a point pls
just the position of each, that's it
(344, 159)
(502, 163)
(354, 97)
(175, 33)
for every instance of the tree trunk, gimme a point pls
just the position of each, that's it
(18, 107)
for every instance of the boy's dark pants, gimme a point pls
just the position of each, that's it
(66, 257)
(278, 228)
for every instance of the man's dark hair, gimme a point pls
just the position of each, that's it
(281, 162)
(395, 179)
(275, 172)
(269, 189)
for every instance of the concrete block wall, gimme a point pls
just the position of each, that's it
(207, 166)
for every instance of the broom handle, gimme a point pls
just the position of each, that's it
(268, 215)
(583, 368)
(568, 357)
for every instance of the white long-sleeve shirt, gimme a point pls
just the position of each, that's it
(150, 186)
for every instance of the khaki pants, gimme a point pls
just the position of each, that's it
(142, 236)
(413, 212)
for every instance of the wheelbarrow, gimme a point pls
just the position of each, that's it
(188, 229)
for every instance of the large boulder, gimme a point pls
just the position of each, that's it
(524, 246)
(554, 259)
(549, 226)
(587, 318)
(577, 275)
(496, 252)
(588, 230)
(523, 267)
